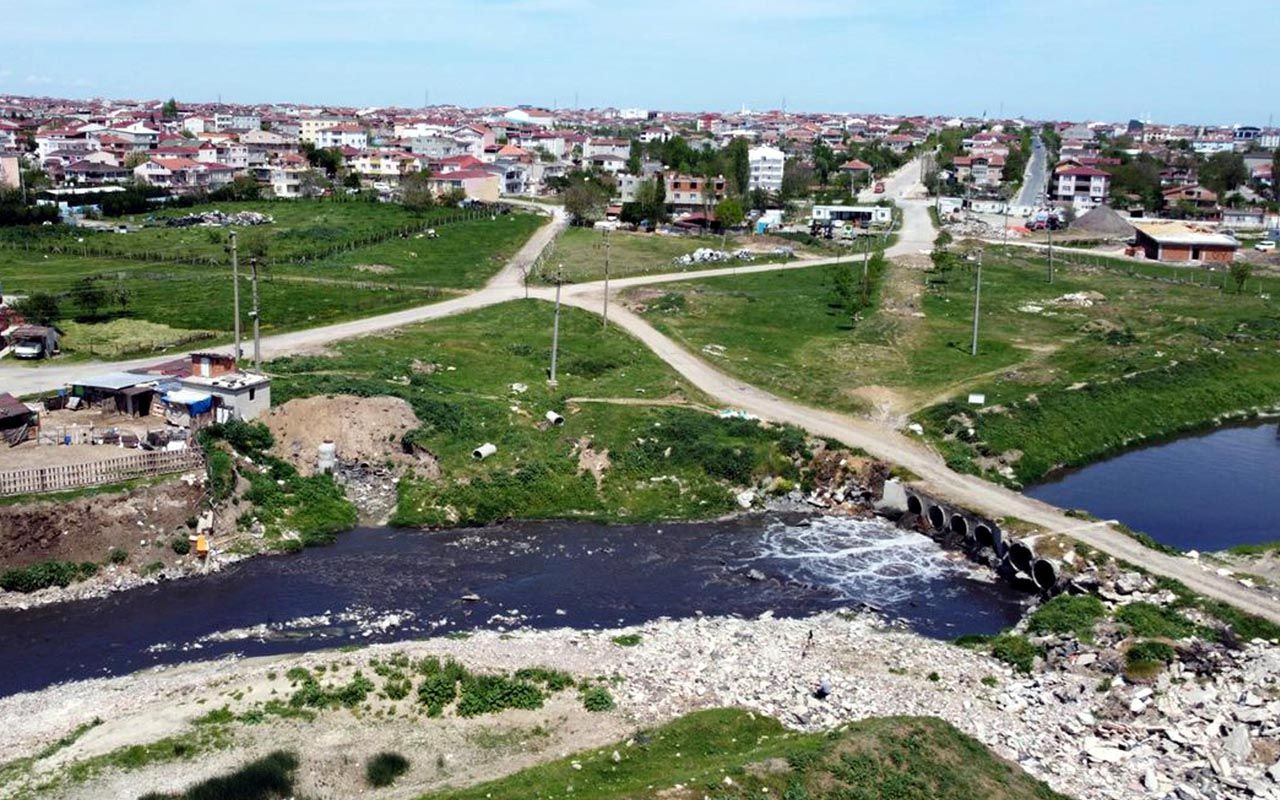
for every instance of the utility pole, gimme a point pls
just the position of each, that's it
(1049, 229)
(235, 292)
(604, 232)
(555, 329)
(257, 337)
(977, 300)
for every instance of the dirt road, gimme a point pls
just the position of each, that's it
(916, 235)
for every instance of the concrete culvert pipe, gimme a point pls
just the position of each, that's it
(554, 418)
(1021, 556)
(484, 451)
(1045, 573)
(937, 518)
(985, 537)
(960, 525)
(914, 505)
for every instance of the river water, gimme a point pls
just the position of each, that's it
(1203, 492)
(378, 585)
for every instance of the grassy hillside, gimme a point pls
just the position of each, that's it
(728, 754)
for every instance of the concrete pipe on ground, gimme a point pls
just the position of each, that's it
(914, 506)
(554, 418)
(1045, 573)
(1021, 556)
(960, 525)
(987, 535)
(937, 518)
(484, 451)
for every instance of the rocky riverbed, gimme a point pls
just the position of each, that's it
(1207, 727)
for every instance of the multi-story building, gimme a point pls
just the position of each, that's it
(1084, 187)
(767, 164)
(687, 193)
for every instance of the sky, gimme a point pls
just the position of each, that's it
(1166, 60)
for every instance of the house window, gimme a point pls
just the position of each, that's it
(251, 393)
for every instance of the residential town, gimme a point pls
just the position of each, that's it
(539, 451)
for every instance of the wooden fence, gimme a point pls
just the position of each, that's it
(142, 464)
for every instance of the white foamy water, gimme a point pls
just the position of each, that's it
(865, 560)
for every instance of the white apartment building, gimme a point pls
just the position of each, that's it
(766, 168)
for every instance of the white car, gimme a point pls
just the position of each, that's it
(1265, 246)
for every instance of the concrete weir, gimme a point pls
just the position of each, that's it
(980, 538)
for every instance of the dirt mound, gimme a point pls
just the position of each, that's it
(87, 528)
(1102, 222)
(365, 429)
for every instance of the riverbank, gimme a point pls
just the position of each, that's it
(1074, 722)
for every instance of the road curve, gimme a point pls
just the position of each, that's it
(936, 478)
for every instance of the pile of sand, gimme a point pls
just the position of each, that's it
(365, 429)
(1102, 222)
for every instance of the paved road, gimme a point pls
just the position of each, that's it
(1033, 179)
(917, 235)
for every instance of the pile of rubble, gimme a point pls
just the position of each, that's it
(216, 218)
(973, 229)
(707, 255)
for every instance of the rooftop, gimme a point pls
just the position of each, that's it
(1178, 233)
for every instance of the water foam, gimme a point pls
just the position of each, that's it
(864, 560)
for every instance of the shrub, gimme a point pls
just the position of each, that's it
(1153, 621)
(487, 694)
(117, 556)
(384, 768)
(181, 545)
(297, 674)
(1015, 651)
(627, 639)
(554, 680)
(1067, 614)
(397, 688)
(1147, 651)
(221, 472)
(597, 698)
(40, 575)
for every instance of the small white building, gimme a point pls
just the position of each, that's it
(874, 215)
(767, 164)
(239, 395)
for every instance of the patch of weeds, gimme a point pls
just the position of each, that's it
(1151, 621)
(1074, 614)
(627, 639)
(1015, 650)
(597, 698)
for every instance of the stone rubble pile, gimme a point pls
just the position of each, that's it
(217, 218)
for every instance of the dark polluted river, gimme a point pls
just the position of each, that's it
(379, 585)
(1203, 492)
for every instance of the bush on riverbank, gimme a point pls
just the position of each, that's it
(1075, 614)
(266, 778)
(44, 574)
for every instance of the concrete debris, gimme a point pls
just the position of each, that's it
(216, 218)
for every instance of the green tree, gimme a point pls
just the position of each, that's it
(824, 161)
(586, 200)
(39, 308)
(737, 158)
(1223, 172)
(170, 109)
(1241, 271)
(89, 295)
(312, 183)
(635, 158)
(1275, 175)
(415, 191)
(797, 177)
(729, 212)
(651, 200)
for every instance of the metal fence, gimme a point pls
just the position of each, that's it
(142, 464)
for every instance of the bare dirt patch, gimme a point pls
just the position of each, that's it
(142, 522)
(594, 461)
(364, 429)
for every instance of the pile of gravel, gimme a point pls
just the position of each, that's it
(1102, 222)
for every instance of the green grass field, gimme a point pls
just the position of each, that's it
(582, 252)
(663, 461)
(398, 272)
(730, 754)
(1064, 383)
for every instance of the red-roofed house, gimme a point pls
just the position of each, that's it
(1085, 187)
(984, 169)
(183, 174)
